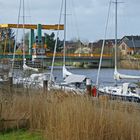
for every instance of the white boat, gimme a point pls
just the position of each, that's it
(73, 82)
(125, 90)
(33, 79)
(70, 81)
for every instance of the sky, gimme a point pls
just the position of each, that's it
(86, 19)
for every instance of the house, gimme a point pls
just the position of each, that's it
(130, 45)
(108, 46)
(108, 43)
(127, 45)
(71, 46)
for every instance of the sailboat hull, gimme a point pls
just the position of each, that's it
(124, 93)
(118, 97)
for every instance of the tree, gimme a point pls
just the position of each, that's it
(50, 42)
(26, 41)
(7, 34)
(7, 40)
(26, 37)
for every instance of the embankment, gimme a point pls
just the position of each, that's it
(129, 64)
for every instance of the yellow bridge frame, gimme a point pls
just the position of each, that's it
(33, 26)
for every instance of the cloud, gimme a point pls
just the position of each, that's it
(90, 15)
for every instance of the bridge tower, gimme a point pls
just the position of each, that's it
(37, 47)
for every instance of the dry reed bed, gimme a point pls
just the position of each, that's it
(130, 64)
(66, 116)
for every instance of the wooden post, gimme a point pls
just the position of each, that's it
(88, 86)
(45, 83)
(10, 80)
(10, 83)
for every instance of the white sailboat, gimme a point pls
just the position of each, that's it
(35, 80)
(70, 81)
(67, 76)
(18, 79)
(127, 91)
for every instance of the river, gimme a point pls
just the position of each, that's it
(106, 75)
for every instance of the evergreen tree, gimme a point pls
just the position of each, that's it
(7, 40)
(50, 42)
(7, 34)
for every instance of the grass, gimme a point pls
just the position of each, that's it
(20, 135)
(136, 56)
(66, 116)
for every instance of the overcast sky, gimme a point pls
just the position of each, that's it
(85, 18)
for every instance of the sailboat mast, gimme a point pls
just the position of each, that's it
(103, 44)
(64, 49)
(23, 33)
(57, 34)
(16, 37)
(116, 33)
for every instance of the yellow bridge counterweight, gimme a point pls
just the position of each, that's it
(33, 26)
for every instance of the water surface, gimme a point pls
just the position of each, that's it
(106, 75)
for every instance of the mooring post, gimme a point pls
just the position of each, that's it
(10, 76)
(88, 86)
(10, 80)
(45, 83)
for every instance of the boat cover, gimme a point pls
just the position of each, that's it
(75, 78)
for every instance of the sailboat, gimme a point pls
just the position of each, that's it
(18, 79)
(127, 91)
(71, 81)
(34, 80)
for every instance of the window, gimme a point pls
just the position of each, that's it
(123, 47)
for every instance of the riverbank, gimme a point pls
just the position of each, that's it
(60, 116)
(129, 64)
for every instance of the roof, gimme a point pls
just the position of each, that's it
(133, 44)
(132, 37)
(74, 78)
(108, 42)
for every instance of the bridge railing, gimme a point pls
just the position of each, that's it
(92, 55)
(79, 55)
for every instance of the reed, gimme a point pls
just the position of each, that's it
(67, 116)
(129, 64)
